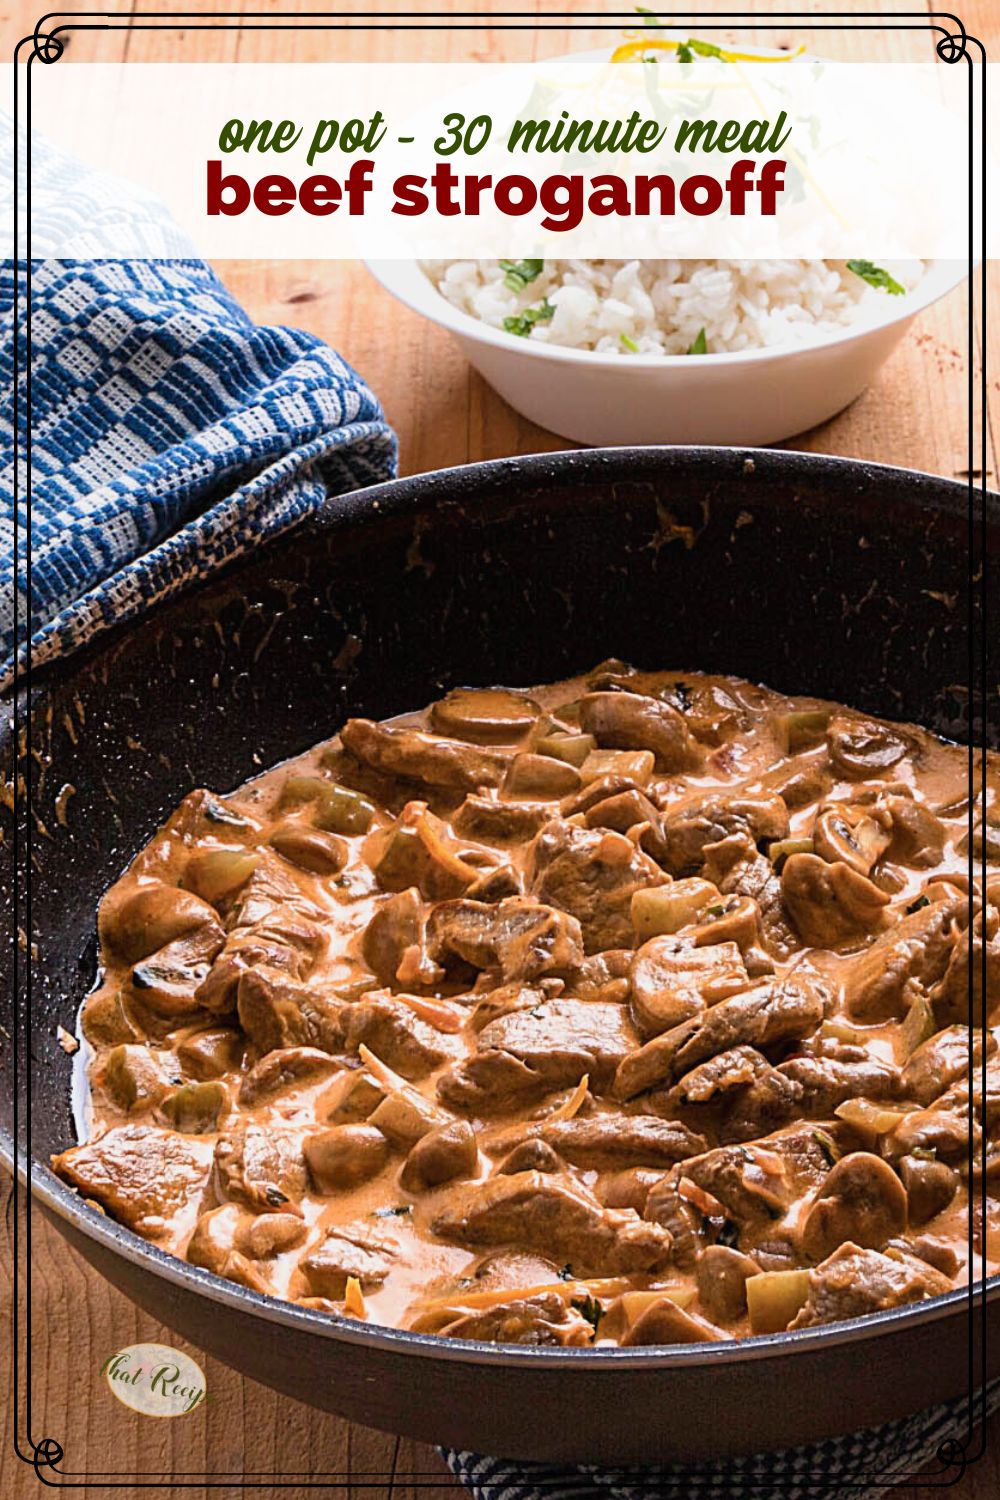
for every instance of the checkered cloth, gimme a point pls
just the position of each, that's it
(862, 1466)
(169, 434)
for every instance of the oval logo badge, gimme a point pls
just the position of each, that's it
(155, 1379)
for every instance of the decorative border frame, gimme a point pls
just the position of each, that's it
(954, 44)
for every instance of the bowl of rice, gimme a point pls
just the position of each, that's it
(673, 351)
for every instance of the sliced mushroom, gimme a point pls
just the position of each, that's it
(136, 922)
(309, 848)
(440, 1156)
(345, 1156)
(930, 1186)
(856, 835)
(663, 1322)
(488, 716)
(830, 904)
(136, 1078)
(270, 1234)
(722, 1275)
(860, 748)
(213, 1246)
(862, 1200)
(630, 721)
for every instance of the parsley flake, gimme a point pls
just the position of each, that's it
(876, 277)
(521, 273)
(522, 323)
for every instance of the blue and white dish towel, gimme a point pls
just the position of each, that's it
(169, 434)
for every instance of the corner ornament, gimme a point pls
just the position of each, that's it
(953, 46)
(46, 48)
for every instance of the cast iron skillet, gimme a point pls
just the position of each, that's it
(811, 574)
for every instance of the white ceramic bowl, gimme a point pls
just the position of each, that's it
(755, 397)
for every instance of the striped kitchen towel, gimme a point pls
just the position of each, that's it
(862, 1466)
(168, 435)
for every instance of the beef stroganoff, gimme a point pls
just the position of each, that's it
(632, 1009)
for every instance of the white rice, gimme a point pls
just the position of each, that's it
(661, 306)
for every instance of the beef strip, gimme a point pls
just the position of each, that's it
(593, 875)
(284, 1070)
(970, 988)
(140, 1174)
(520, 937)
(825, 1082)
(607, 1142)
(735, 866)
(777, 1012)
(754, 1184)
(601, 976)
(397, 1036)
(349, 1250)
(429, 758)
(276, 1012)
(908, 959)
(481, 817)
(527, 1053)
(940, 1061)
(262, 1167)
(691, 825)
(553, 1216)
(544, 1320)
(852, 1282)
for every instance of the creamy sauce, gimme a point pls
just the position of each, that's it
(290, 853)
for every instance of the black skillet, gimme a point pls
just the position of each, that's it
(811, 574)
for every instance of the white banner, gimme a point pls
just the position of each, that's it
(577, 157)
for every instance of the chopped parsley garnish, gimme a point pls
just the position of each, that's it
(522, 323)
(395, 1211)
(700, 345)
(684, 53)
(589, 1308)
(918, 905)
(521, 273)
(876, 277)
(649, 17)
(629, 344)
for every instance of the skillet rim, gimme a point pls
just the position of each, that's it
(367, 507)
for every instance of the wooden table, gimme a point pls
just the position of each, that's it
(914, 416)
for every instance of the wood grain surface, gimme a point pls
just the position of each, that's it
(914, 415)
